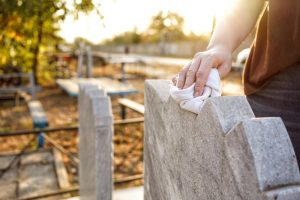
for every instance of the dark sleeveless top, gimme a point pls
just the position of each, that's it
(277, 44)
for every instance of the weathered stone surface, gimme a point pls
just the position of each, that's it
(5, 161)
(38, 157)
(33, 173)
(36, 179)
(95, 144)
(8, 190)
(261, 148)
(222, 153)
(11, 174)
(284, 193)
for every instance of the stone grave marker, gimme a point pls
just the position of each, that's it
(224, 153)
(95, 129)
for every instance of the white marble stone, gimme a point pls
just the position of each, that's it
(95, 130)
(221, 154)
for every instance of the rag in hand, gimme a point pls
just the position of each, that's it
(186, 99)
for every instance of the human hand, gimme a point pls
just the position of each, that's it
(198, 69)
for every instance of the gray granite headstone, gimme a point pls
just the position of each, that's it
(95, 130)
(224, 153)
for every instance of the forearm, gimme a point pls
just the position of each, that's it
(229, 33)
(233, 27)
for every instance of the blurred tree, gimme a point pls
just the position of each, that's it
(129, 37)
(165, 27)
(79, 40)
(27, 27)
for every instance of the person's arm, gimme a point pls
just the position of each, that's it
(229, 33)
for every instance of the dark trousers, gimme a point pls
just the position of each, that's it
(281, 98)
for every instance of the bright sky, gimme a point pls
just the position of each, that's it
(125, 15)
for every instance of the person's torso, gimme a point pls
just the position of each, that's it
(277, 44)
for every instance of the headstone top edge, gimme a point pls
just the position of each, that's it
(160, 87)
(230, 110)
(257, 133)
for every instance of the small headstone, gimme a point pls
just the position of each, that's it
(95, 119)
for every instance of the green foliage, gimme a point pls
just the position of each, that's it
(29, 28)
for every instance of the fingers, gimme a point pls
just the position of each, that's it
(191, 73)
(198, 70)
(182, 76)
(202, 75)
(174, 80)
(224, 69)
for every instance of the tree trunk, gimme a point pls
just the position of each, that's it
(36, 50)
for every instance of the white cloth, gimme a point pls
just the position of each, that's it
(186, 99)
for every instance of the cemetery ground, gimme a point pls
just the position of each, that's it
(61, 110)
